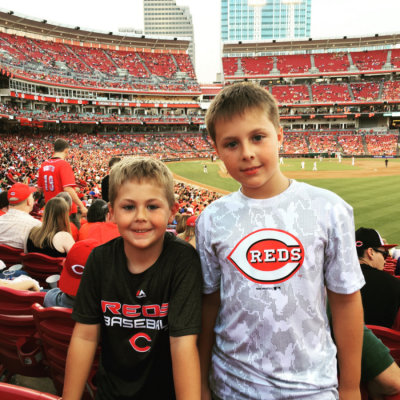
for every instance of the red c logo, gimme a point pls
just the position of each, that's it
(136, 337)
(268, 256)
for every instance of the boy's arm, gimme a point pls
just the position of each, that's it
(348, 323)
(185, 367)
(210, 307)
(81, 351)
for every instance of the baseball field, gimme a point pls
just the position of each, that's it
(371, 188)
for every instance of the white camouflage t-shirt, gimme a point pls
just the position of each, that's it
(271, 259)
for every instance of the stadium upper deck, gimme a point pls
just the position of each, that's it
(335, 57)
(53, 76)
(41, 53)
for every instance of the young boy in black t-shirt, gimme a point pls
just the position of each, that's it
(140, 296)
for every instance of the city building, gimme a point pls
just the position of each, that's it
(255, 20)
(165, 18)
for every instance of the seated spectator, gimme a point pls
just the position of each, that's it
(97, 213)
(381, 292)
(64, 294)
(99, 225)
(3, 202)
(37, 210)
(16, 224)
(181, 225)
(54, 237)
(379, 372)
(104, 182)
(74, 229)
(22, 282)
(189, 233)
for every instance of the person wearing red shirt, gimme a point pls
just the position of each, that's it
(56, 175)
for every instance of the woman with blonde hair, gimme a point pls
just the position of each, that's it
(181, 222)
(54, 237)
(188, 235)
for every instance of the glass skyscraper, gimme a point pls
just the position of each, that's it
(265, 19)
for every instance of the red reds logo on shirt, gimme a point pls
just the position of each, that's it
(268, 256)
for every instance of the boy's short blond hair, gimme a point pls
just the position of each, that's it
(238, 98)
(141, 169)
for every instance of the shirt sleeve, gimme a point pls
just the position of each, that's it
(342, 270)
(209, 261)
(184, 314)
(87, 303)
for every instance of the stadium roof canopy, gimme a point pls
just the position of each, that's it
(28, 26)
(311, 45)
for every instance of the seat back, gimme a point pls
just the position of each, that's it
(55, 327)
(10, 255)
(396, 325)
(19, 350)
(13, 392)
(18, 302)
(390, 338)
(40, 266)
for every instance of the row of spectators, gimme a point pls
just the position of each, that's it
(19, 158)
(336, 92)
(303, 63)
(346, 142)
(91, 67)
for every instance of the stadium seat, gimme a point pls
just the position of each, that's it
(396, 325)
(40, 266)
(394, 397)
(13, 392)
(19, 350)
(55, 326)
(10, 255)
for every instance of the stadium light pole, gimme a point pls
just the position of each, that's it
(257, 8)
(290, 19)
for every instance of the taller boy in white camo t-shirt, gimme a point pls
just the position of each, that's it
(272, 253)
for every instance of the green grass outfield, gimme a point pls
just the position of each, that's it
(376, 200)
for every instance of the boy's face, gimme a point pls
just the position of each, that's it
(142, 214)
(248, 145)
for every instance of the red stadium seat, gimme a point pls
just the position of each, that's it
(55, 326)
(40, 266)
(19, 350)
(12, 392)
(396, 325)
(394, 397)
(10, 255)
(390, 338)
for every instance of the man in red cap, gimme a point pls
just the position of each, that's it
(16, 224)
(381, 293)
(74, 265)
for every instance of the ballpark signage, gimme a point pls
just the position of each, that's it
(268, 256)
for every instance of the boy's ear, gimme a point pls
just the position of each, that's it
(111, 212)
(280, 135)
(215, 147)
(174, 210)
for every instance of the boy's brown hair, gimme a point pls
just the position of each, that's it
(238, 98)
(141, 169)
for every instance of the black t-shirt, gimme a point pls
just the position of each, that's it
(380, 297)
(138, 313)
